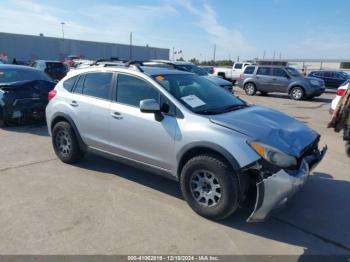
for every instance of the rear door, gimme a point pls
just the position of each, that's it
(90, 103)
(280, 80)
(264, 79)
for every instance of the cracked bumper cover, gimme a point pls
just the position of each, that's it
(273, 192)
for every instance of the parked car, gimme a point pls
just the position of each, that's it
(189, 67)
(181, 125)
(232, 73)
(341, 92)
(208, 69)
(55, 69)
(282, 80)
(331, 78)
(23, 93)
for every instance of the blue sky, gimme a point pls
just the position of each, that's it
(245, 28)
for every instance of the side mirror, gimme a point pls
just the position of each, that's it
(149, 106)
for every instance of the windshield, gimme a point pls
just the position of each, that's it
(198, 94)
(292, 71)
(193, 69)
(14, 75)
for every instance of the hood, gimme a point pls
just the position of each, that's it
(270, 127)
(218, 80)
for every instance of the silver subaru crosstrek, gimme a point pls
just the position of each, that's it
(183, 126)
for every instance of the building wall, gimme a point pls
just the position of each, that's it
(26, 47)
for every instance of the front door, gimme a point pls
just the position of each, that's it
(139, 136)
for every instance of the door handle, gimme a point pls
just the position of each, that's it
(117, 115)
(74, 103)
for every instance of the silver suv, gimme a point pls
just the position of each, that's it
(181, 125)
(280, 79)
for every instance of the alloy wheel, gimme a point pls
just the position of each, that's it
(63, 142)
(205, 188)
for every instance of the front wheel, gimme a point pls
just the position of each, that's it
(65, 143)
(210, 187)
(297, 93)
(250, 89)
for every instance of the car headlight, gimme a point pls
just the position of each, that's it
(273, 155)
(315, 83)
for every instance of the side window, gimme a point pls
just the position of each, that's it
(131, 90)
(69, 83)
(238, 66)
(263, 71)
(279, 72)
(98, 85)
(79, 86)
(167, 107)
(249, 70)
(327, 74)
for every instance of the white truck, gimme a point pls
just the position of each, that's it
(232, 73)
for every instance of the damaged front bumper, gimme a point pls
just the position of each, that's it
(274, 191)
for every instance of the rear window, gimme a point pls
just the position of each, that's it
(15, 75)
(249, 70)
(238, 66)
(57, 67)
(69, 83)
(264, 71)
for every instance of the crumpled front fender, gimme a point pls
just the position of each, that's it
(274, 191)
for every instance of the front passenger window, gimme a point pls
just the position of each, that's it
(131, 90)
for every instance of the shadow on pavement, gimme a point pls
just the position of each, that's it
(320, 210)
(39, 129)
(285, 96)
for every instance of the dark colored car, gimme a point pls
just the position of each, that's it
(23, 93)
(55, 69)
(331, 78)
(208, 69)
(189, 67)
(280, 79)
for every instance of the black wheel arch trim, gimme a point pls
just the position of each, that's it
(81, 142)
(208, 145)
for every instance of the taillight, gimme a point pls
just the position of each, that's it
(51, 94)
(341, 92)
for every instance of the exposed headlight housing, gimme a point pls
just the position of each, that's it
(273, 155)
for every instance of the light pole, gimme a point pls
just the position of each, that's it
(62, 24)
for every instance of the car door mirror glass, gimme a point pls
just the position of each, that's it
(149, 106)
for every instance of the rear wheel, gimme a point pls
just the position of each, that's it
(210, 187)
(65, 143)
(297, 93)
(2, 118)
(250, 89)
(347, 148)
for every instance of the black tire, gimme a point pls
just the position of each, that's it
(250, 89)
(297, 93)
(2, 118)
(220, 207)
(65, 143)
(222, 75)
(347, 148)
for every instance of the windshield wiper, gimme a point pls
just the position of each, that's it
(221, 110)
